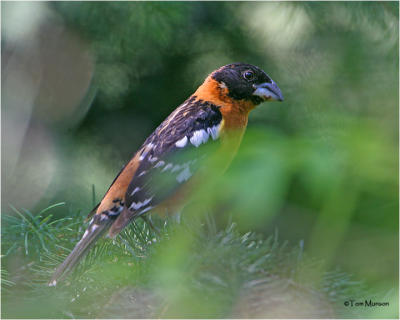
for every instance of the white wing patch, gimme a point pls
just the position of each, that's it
(214, 131)
(177, 167)
(134, 191)
(115, 213)
(182, 142)
(138, 205)
(142, 173)
(167, 167)
(199, 137)
(146, 150)
(184, 175)
(145, 210)
(152, 159)
(159, 164)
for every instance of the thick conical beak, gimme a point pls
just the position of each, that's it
(268, 91)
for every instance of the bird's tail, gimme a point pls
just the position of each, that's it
(98, 226)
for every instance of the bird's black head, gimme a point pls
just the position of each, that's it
(247, 82)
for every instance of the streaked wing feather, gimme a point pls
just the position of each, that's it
(170, 157)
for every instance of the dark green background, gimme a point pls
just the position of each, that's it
(321, 167)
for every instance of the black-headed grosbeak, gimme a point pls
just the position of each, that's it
(174, 156)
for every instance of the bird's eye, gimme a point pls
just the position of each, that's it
(248, 75)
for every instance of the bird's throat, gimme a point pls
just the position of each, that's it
(235, 112)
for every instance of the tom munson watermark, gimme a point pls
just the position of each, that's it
(365, 303)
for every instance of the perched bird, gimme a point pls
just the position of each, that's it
(176, 154)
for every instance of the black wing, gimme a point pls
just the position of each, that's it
(171, 156)
(173, 153)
